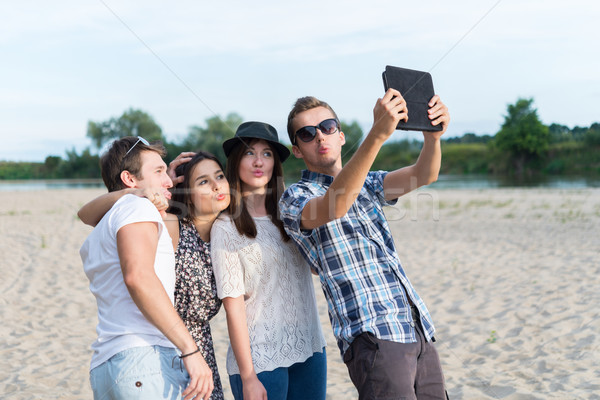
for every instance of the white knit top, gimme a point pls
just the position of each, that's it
(276, 282)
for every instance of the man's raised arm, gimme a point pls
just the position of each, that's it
(346, 186)
(427, 167)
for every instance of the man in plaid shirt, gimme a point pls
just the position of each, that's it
(335, 216)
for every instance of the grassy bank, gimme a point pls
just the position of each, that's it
(567, 158)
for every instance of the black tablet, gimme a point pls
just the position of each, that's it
(417, 89)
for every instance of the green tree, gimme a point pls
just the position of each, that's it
(559, 133)
(19, 170)
(397, 154)
(211, 137)
(592, 136)
(468, 138)
(132, 123)
(51, 166)
(578, 133)
(523, 137)
(86, 165)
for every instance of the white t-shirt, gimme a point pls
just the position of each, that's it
(121, 325)
(281, 311)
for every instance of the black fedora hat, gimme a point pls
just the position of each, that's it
(256, 130)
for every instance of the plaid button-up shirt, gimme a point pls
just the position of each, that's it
(360, 272)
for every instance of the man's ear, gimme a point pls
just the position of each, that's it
(296, 151)
(343, 137)
(128, 179)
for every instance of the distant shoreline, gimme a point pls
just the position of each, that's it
(21, 185)
(448, 181)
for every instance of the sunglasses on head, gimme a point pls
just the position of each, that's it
(308, 133)
(139, 139)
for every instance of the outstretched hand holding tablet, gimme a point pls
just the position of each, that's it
(416, 88)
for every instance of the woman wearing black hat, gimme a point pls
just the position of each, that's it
(277, 345)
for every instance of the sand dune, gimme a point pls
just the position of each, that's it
(511, 277)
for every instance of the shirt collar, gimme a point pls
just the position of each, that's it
(316, 177)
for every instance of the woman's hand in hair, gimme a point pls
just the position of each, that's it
(182, 158)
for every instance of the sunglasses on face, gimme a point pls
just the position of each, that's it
(308, 133)
(140, 139)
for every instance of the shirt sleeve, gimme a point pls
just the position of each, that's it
(375, 183)
(291, 205)
(131, 209)
(227, 266)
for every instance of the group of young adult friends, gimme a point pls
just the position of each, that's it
(162, 259)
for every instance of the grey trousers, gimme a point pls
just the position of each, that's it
(385, 370)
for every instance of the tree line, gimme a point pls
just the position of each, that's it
(525, 146)
(522, 146)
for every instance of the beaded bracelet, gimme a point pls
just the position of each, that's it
(189, 354)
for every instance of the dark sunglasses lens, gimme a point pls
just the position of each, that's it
(306, 134)
(328, 126)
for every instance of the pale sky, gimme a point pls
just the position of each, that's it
(64, 63)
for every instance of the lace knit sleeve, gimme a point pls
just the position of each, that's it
(228, 270)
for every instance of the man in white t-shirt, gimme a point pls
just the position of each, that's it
(129, 261)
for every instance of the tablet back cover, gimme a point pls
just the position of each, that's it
(417, 89)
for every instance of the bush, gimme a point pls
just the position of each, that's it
(592, 137)
(465, 158)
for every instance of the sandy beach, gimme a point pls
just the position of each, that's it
(510, 276)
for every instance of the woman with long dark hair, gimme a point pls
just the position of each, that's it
(277, 345)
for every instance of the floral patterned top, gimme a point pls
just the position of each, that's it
(196, 298)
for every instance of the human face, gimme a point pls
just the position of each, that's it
(209, 189)
(323, 153)
(153, 173)
(256, 166)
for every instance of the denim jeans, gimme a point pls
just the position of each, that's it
(140, 373)
(301, 381)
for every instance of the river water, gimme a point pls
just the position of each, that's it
(444, 182)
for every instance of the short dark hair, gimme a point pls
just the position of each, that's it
(301, 105)
(275, 187)
(124, 155)
(182, 204)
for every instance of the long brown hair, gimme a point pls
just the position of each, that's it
(181, 203)
(237, 207)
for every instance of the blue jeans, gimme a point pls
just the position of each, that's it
(302, 381)
(140, 373)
